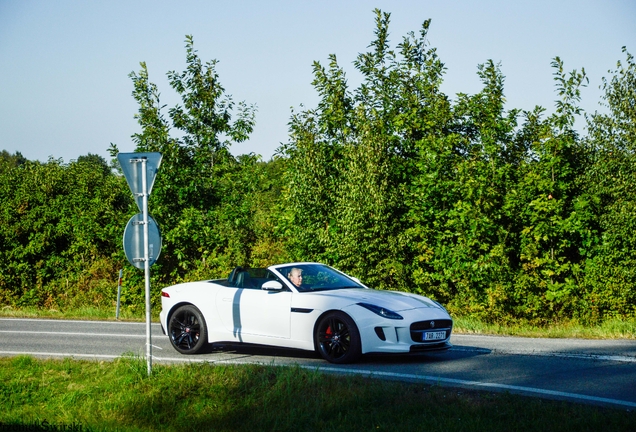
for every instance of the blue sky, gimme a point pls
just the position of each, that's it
(64, 65)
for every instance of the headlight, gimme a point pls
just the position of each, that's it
(384, 313)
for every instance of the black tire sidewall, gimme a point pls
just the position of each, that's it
(355, 347)
(203, 331)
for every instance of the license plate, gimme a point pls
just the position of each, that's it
(429, 336)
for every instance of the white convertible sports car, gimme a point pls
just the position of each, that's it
(307, 306)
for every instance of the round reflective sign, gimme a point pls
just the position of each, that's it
(134, 241)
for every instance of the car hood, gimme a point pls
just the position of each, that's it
(394, 300)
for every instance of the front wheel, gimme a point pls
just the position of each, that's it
(337, 338)
(187, 331)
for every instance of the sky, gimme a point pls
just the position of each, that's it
(64, 65)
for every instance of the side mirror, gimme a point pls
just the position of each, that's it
(356, 279)
(272, 285)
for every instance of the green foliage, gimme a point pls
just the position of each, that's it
(462, 197)
(502, 215)
(550, 253)
(351, 159)
(8, 160)
(201, 197)
(60, 229)
(610, 277)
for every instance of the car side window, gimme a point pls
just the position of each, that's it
(254, 278)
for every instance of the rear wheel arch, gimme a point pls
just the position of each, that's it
(174, 308)
(187, 329)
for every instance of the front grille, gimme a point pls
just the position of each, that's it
(426, 325)
(418, 329)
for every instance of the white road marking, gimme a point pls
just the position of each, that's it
(46, 354)
(74, 334)
(75, 321)
(602, 357)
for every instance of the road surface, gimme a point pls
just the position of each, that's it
(589, 371)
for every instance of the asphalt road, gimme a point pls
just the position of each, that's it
(588, 371)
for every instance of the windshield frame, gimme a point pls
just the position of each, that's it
(317, 277)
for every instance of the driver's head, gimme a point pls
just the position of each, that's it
(296, 276)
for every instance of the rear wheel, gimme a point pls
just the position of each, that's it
(337, 338)
(187, 331)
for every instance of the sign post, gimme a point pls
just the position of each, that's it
(140, 170)
(121, 271)
(144, 182)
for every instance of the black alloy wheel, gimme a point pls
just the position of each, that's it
(337, 338)
(187, 331)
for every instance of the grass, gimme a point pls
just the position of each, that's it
(105, 396)
(610, 329)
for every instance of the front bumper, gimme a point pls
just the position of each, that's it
(381, 335)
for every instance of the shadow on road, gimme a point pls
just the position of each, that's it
(454, 353)
(258, 350)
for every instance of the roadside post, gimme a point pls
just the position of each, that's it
(121, 271)
(142, 239)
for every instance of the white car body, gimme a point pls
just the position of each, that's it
(288, 317)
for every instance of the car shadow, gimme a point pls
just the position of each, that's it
(257, 350)
(456, 352)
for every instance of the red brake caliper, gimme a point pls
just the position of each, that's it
(328, 333)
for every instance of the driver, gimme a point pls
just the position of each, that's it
(296, 276)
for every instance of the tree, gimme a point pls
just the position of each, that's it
(550, 208)
(351, 160)
(608, 185)
(195, 199)
(59, 229)
(464, 187)
(8, 160)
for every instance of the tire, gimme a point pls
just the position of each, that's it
(337, 338)
(187, 330)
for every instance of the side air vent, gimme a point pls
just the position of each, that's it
(380, 332)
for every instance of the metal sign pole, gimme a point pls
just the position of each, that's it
(137, 242)
(144, 183)
(121, 271)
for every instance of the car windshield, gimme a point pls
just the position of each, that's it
(317, 277)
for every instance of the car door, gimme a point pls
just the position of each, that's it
(254, 312)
